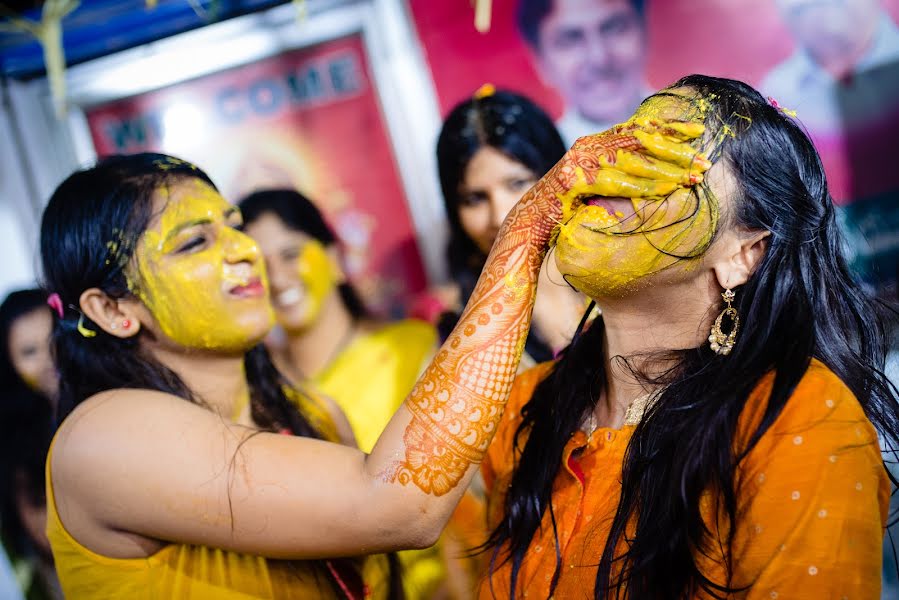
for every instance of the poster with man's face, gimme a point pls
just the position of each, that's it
(589, 63)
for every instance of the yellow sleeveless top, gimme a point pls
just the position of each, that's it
(183, 571)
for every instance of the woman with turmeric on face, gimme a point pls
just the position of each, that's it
(715, 432)
(329, 337)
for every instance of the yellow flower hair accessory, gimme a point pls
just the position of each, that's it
(485, 91)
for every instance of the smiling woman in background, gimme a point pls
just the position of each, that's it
(367, 367)
(331, 342)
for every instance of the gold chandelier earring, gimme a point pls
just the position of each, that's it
(722, 343)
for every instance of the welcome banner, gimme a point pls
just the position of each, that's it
(307, 119)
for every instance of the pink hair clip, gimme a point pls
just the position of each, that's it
(55, 302)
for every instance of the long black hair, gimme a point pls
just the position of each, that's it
(518, 128)
(800, 303)
(89, 232)
(26, 427)
(299, 213)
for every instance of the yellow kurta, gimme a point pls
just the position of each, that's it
(369, 380)
(183, 571)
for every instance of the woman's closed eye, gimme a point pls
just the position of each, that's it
(192, 244)
(28, 351)
(234, 220)
(292, 253)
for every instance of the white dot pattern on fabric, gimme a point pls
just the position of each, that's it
(773, 594)
(761, 478)
(822, 513)
(828, 403)
(795, 495)
(813, 570)
(832, 458)
(858, 486)
(797, 440)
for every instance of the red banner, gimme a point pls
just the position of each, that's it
(306, 119)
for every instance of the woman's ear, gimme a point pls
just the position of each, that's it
(118, 317)
(743, 252)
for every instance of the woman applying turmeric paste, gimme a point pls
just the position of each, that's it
(156, 488)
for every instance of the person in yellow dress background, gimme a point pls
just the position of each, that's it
(367, 367)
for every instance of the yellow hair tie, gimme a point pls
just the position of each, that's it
(485, 91)
(84, 331)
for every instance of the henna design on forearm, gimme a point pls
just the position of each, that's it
(457, 403)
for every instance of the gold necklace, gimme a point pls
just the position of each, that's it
(632, 416)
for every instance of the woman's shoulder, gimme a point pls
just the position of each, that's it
(120, 403)
(820, 401)
(112, 418)
(821, 394)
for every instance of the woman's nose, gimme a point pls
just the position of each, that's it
(240, 247)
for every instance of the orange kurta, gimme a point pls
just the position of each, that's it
(812, 504)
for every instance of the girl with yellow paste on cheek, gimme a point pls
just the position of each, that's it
(202, 280)
(330, 342)
(714, 432)
(179, 305)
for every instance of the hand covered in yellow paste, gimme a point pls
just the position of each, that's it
(642, 158)
(631, 204)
